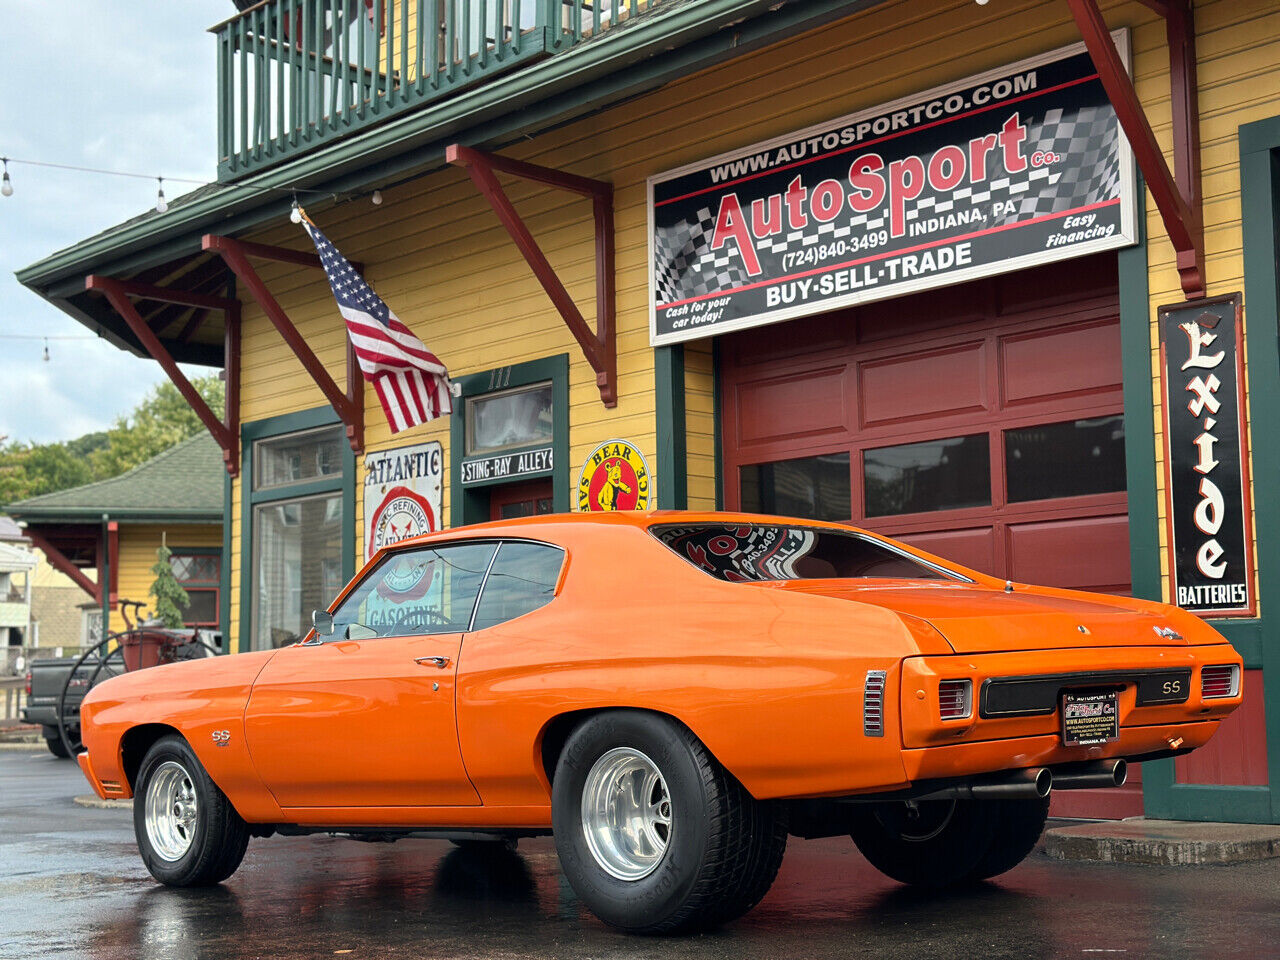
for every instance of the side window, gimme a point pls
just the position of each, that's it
(416, 592)
(523, 579)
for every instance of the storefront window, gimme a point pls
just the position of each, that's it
(934, 475)
(1065, 459)
(813, 488)
(513, 418)
(296, 533)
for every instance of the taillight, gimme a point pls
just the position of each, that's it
(955, 699)
(873, 704)
(28, 679)
(1222, 680)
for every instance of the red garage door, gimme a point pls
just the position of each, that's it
(983, 423)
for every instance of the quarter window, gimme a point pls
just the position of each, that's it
(523, 578)
(416, 592)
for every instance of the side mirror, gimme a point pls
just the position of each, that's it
(322, 620)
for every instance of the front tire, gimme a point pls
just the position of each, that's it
(928, 843)
(653, 834)
(188, 833)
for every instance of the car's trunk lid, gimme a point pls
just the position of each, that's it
(976, 618)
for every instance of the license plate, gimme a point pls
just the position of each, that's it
(1090, 718)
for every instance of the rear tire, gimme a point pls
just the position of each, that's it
(1018, 825)
(930, 843)
(653, 834)
(188, 833)
(57, 747)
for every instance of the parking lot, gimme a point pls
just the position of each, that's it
(72, 886)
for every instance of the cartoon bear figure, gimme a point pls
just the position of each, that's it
(607, 498)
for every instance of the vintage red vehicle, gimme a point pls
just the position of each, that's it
(672, 695)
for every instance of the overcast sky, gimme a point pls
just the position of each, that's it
(100, 83)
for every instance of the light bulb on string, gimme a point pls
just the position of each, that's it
(6, 185)
(377, 198)
(295, 214)
(46, 351)
(161, 204)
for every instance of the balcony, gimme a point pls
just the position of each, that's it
(297, 74)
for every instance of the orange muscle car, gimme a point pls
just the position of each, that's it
(672, 695)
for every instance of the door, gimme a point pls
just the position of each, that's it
(520, 499)
(365, 717)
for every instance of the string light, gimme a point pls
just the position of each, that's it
(161, 204)
(295, 213)
(6, 186)
(377, 198)
(46, 351)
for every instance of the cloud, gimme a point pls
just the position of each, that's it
(105, 83)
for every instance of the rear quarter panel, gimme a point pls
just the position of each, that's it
(771, 682)
(196, 698)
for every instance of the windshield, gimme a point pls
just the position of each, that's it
(740, 553)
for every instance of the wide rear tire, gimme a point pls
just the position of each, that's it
(930, 843)
(653, 834)
(188, 833)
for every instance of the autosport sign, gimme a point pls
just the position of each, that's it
(1017, 167)
(1207, 457)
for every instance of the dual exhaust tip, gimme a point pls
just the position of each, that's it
(1038, 782)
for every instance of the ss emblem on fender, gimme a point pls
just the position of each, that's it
(221, 737)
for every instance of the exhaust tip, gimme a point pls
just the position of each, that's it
(1044, 781)
(1120, 772)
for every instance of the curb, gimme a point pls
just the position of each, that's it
(1163, 842)
(98, 804)
(23, 745)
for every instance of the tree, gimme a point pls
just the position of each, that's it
(171, 599)
(161, 420)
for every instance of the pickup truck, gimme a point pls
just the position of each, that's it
(46, 678)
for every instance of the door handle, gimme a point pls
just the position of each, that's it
(440, 662)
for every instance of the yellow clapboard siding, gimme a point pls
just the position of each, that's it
(138, 545)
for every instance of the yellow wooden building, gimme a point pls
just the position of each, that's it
(971, 357)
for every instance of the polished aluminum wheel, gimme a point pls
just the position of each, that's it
(171, 811)
(626, 814)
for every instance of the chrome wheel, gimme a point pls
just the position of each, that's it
(171, 811)
(626, 814)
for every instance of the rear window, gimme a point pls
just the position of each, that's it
(740, 553)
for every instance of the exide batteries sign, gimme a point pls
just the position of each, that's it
(1021, 166)
(1207, 457)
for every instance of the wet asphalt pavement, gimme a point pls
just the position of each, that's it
(71, 885)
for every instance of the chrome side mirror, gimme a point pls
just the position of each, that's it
(322, 620)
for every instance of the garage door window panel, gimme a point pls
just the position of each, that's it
(522, 579)
(813, 488)
(1070, 459)
(952, 473)
(416, 593)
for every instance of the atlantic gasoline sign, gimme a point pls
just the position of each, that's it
(615, 477)
(402, 494)
(1009, 169)
(1207, 458)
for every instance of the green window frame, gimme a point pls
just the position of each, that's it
(343, 482)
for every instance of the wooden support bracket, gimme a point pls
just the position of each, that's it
(225, 431)
(600, 346)
(349, 406)
(60, 562)
(1177, 196)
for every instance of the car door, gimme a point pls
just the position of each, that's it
(365, 717)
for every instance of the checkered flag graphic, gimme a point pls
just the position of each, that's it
(685, 265)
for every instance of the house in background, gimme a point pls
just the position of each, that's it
(17, 565)
(107, 533)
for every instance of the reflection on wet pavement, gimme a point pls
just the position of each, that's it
(71, 885)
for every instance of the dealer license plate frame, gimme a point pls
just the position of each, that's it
(1084, 727)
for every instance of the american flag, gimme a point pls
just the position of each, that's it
(412, 384)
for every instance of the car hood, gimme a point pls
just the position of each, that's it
(977, 618)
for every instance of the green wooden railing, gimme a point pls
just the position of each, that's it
(294, 74)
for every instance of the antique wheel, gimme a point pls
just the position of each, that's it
(928, 843)
(188, 833)
(1017, 825)
(653, 835)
